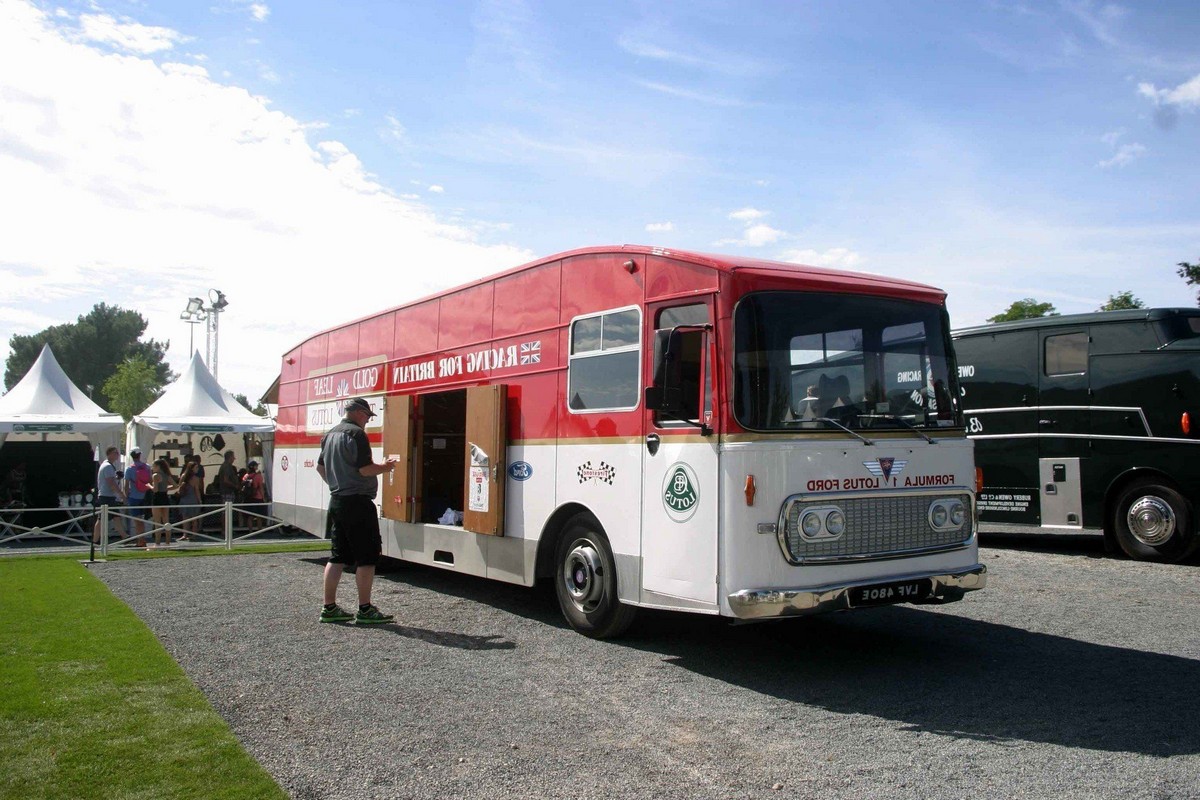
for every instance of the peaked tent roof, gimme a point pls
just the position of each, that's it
(196, 402)
(46, 400)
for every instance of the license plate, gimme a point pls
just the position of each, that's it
(881, 594)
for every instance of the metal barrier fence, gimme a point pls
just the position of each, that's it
(219, 525)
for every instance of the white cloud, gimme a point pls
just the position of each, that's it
(140, 185)
(1112, 137)
(747, 214)
(761, 235)
(127, 35)
(836, 257)
(1185, 95)
(660, 227)
(1125, 154)
(260, 11)
(437, 189)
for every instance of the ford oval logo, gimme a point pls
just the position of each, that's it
(520, 471)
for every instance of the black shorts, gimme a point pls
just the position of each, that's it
(352, 527)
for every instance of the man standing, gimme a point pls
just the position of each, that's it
(352, 523)
(108, 492)
(137, 492)
(227, 479)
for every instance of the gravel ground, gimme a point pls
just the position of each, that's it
(1072, 676)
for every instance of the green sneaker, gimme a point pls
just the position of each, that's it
(335, 614)
(373, 616)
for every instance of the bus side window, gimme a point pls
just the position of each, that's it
(1066, 354)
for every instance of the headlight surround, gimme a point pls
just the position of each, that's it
(810, 524)
(947, 514)
(835, 523)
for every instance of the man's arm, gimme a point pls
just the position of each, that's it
(366, 467)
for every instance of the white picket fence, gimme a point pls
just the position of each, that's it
(219, 525)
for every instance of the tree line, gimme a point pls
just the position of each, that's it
(102, 352)
(1029, 308)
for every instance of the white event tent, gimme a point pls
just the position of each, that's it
(195, 403)
(47, 402)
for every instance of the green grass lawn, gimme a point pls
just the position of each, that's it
(91, 706)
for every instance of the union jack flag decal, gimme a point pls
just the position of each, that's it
(531, 352)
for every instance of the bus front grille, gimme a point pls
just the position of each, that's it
(875, 526)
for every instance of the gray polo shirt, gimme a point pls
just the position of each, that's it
(344, 449)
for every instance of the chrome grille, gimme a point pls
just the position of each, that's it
(878, 526)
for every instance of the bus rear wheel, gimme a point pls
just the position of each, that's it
(1153, 522)
(585, 580)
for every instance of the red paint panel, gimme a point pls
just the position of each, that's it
(289, 368)
(600, 281)
(312, 354)
(527, 301)
(466, 317)
(375, 337)
(286, 426)
(667, 277)
(533, 407)
(289, 393)
(416, 330)
(343, 347)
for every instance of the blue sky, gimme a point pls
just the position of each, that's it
(317, 161)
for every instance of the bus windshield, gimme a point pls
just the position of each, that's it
(804, 359)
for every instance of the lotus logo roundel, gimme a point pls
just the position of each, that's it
(681, 493)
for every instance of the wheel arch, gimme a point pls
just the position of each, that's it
(551, 531)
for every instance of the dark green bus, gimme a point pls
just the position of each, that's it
(1090, 423)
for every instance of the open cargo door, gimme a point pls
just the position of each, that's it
(397, 441)
(486, 476)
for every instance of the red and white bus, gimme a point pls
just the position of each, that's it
(657, 428)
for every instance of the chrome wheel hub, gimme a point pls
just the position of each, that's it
(583, 576)
(1151, 520)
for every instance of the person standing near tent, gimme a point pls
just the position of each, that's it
(160, 501)
(191, 490)
(352, 522)
(227, 479)
(137, 492)
(109, 493)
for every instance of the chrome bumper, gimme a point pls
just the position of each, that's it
(766, 603)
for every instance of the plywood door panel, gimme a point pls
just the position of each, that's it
(485, 460)
(397, 441)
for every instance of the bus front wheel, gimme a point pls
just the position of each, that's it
(585, 580)
(1153, 522)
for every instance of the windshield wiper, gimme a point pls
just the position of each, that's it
(837, 424)
(906, 424)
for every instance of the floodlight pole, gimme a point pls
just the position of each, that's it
(217, 303)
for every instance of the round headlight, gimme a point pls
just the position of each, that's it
(835, 522)
(811, 524)
(938, 516)
(958, 513)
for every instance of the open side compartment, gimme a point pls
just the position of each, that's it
(451, 447)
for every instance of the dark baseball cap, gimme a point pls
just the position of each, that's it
(358, 404)
(137, 451)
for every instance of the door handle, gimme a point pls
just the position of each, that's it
(652, 442)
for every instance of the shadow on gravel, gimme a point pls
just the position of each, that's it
(460, 640)
(943, 674)
(930, 671)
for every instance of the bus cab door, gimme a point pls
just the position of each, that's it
(679, 489)
(1064, 423)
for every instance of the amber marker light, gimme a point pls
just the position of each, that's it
(750, 490)
(978, 480)
(1185, 422)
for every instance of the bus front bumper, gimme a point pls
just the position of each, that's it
(914, 588)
